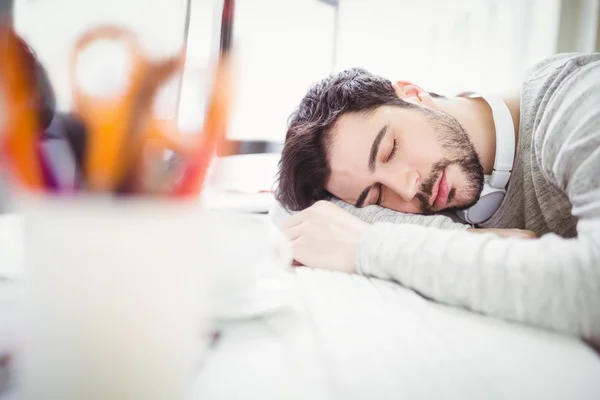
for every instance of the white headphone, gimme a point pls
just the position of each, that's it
(495, 184)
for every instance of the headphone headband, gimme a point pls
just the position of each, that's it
(493, 192)
(505, 139)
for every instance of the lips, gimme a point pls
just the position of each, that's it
(440, 192)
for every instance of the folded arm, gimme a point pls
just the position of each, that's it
(549, 282)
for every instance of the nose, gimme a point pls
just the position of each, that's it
(404, 182)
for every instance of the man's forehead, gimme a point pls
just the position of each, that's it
(353, 128)
(353, 119)
(352, 137)
(349, 142)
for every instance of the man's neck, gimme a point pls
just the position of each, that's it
(475, 115)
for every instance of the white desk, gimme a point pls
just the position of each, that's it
(350, 337)
(373, 339)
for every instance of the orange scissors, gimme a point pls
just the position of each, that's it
(120, 126)
(117, 124)
(20, 126)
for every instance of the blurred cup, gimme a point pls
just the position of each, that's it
(118, 298)
(246, 253)
(244, 248)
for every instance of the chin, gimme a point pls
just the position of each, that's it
(469, 193)
(459, 203)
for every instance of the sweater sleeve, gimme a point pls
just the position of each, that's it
(373, 214)
(551, 282)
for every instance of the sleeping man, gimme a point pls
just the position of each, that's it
(396, 161)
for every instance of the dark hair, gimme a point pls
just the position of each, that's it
(304, 166)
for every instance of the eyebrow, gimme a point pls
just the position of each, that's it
(375, 147)
(372, 163)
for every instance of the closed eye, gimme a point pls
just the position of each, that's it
(392, 152)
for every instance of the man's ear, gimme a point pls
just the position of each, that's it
(412, 93)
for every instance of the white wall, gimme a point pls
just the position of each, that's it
(52, 26)
(281, 47)
(579, 26)
(447, 46)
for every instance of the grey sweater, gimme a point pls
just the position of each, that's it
(552, 282)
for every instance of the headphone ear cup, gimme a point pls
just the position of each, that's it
(488, 203)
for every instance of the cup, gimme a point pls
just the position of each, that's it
(251, 261)
(118, 298)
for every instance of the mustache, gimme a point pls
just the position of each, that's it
(426, 190)
(470, 166)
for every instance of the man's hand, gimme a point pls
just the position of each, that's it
(325, 236)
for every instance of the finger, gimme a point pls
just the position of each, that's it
(299, 250)
(292, 233)
(294, 220)
(506, 233)
(525, 234)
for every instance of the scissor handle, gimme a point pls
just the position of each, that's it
(83, 101)
(143, 124)
(113, 121)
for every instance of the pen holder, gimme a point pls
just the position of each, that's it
(118, 298)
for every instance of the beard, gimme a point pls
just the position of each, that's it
(460, 151)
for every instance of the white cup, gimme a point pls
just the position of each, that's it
(118, 299)
(245, 251)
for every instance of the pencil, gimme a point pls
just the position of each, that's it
(215, 126)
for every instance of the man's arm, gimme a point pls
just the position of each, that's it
(549, 282)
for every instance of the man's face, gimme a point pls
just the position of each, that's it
(410, 160)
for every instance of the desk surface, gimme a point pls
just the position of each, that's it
(351, 337)
(357, 338)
